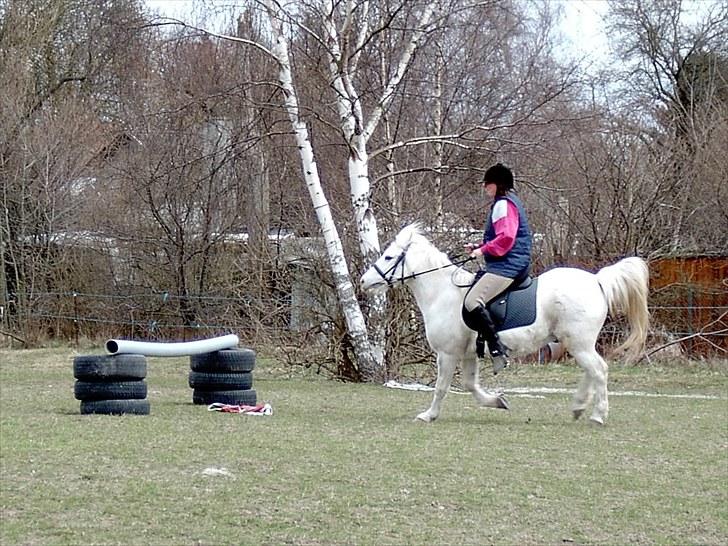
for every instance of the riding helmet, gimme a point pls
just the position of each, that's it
(500, 175)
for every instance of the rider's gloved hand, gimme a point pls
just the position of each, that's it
(473, 250)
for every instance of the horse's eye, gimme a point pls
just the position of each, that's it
(387, 258)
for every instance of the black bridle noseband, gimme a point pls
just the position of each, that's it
(390, 271)
(400, 260)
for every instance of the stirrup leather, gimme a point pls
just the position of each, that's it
(480, 345)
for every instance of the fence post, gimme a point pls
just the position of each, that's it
(75, 317)
(690, 317)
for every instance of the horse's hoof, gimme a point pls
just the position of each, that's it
(577, 413)
(502, 402)
(424, 417)
(598, 421)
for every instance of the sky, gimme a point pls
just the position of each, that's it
(170, 8)
(582, 25)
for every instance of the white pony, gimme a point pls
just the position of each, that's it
(571, 307)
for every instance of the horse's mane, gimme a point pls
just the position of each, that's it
(414, 234)
(409, 234)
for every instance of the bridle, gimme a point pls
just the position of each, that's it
(388, 274)
(391, 270)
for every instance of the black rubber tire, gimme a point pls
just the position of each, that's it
(110, 367)
(115, 407)
(237, 397)
(220, 381)
(112, 390)
(225, 361)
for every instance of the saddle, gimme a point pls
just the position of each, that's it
(513, 308)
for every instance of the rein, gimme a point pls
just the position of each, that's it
(403, 277)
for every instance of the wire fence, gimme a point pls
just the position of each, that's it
(164, 316)
(151, 315)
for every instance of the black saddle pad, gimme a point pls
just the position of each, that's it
(515, 308)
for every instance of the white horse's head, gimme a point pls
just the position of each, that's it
(396, 264)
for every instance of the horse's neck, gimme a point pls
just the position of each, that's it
(435, 289)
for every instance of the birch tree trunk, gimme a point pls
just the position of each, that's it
(368, 363)
(357, 131)
(439, 216)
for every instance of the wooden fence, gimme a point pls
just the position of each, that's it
(689, 300)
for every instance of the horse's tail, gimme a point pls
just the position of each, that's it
(625, 286)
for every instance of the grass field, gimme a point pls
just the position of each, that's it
(345, 464)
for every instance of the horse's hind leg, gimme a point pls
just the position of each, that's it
(472, 384)
(445, 370)
(582, 396)
(597, 373)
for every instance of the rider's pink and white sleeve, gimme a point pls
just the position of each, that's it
(505, 224)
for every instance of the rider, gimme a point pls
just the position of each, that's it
(506, 249)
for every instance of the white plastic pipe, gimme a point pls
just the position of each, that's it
(123, 346)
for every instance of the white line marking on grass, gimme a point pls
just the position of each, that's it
(555, 390)
(212, 471)
(532, 392)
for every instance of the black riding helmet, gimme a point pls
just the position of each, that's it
(501, 176)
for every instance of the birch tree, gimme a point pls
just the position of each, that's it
(356, 325)
(344, 46)
(343, 30)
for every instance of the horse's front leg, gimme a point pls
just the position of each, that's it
(472, 384)
(445, 369)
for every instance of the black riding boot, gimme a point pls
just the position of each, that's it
(487, 333)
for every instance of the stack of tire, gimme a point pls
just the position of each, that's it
(224, 377)
(111, 384)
